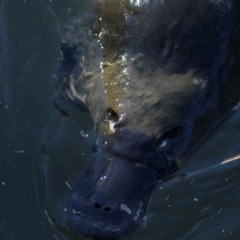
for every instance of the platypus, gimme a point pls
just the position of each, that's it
(156, 76)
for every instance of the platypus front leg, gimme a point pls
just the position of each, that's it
(65, 79)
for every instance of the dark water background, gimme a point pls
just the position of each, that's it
(42, 152)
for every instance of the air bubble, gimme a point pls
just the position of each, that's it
(83, 134)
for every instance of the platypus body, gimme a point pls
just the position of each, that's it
(156, 76)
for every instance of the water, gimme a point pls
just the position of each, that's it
(43, 153)
(29, 123)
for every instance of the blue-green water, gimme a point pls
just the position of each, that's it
(41, 152)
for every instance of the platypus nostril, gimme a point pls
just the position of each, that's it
(107, 209)
(97, 205)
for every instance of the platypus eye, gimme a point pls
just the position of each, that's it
(112, 115)
(162, 143)
(163, 139)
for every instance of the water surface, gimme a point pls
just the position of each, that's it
(43, 153)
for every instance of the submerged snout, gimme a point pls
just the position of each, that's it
(112, 205)
(111, 198)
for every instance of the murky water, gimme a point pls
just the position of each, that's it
(43, 153)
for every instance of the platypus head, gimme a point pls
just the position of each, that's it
(161, 70)
(111, 198)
